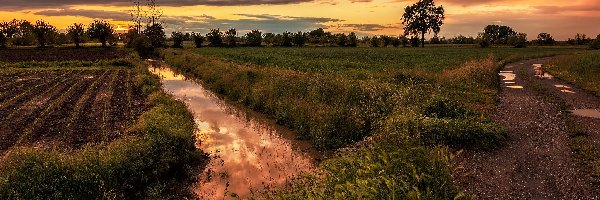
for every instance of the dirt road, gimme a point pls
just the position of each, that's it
(538, 162)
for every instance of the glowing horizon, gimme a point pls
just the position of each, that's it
(365, 17)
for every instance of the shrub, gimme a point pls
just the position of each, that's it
(374, 41)
(215, 37)
(177, 39)
(286, 39)
(231, 37)
(254, 38)
(3, 40)
(387, 40)
(596, 43)
(352, 40)
(545, 39)
(396, 42)
(414, 42)
(341, 39)
(143, 45)
(156, 34)
(198, 39)
(518, 40)
(484, 40)
(299, 39)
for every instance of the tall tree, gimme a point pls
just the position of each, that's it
(498, 34)
(545, 39)
(137, 15)
(423, 17)
(42, 31)
(253, 38)
(154, 13)
(100, 30)
(76, 33)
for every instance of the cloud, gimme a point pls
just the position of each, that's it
(366, 27)
(203, 23)
(31, 4)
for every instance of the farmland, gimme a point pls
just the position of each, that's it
(91, 124)
(61, 107)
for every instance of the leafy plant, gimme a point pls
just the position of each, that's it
(42, 31)
(215, 38)
(76, 33)
(177, 39)
(100, 30)
(254, 38)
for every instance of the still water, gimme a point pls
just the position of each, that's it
(248, 153)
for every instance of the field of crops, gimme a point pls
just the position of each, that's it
(324, 59)
(67, 108)
(60, 54)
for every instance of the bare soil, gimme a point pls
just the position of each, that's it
(60, 54)
(67, 109)
(538, 162)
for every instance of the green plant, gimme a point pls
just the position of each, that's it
(231, 38)
(215, 38)
(76, 33)
(43, 32)
(156, 34)
(254, 38)
(198, 39)
(177, 39)
(100, 30)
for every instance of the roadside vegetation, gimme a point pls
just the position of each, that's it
(583, 70)
(396, 103)
(115, 136)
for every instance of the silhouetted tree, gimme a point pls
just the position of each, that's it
(423, 17)
(20, 32)
(387, 40)
(596, 43)
(396, 41)
(42, 31)
(352, 40)
(414, 41)
(215, 37)
(342, 39)
(231, 37)
(3, 39)
(177, 39)
(269, 39)
(286, 39)
(518, 41)
(253, 38)
(484, 40)
(404, 40)
(131, 35)
(317, 36)
(545, 39)
(375, 41)
(156, 34)
(299, 38)
(100, 30)
(154, 13)
(76, 33)
(198, 39)
(498, 34)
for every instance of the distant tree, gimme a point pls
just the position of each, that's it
(545, 39)
(286, 39)
(596, 43)
(100, 30)
(375, 41)
(177, 39)
(483, 40)
(156, 34)
(396, 41)
(317, 36)
(23, 35)
(414, 41)
(187, 37)
(3, 39)
(198, 39)
(215, 37)
(57, 38)
(154, 13)
(423, 17)
(299, 38)
(254, 38)
(518, 41)
(460, 39)
(387, 40)
(498, 34)
(231, 37)
(582, 39)
(352, 40)
(435, 40)
(269, 39)
(76, 33)
(131, 35)
(342, 39)
(404, 40)
(42, 31)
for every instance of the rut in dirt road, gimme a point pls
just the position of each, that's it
(537, 163)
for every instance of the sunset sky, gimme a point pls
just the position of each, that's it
(561, 18)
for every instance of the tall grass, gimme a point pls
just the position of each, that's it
(155, 162)
(583, 70)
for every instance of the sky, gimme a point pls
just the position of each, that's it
(561, 18)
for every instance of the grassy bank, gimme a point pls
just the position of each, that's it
(411, 104)
(583, 70)
(154, 161)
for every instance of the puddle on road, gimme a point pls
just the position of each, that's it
(509, 77)
(248, 154)
(594, 113)
(540, 73)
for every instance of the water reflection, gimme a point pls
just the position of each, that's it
(248, 153)
(509, 77)
(594, 113)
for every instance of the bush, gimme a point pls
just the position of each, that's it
(231, 38)
(100, 30)
(43, 31)
(76, 33)
(352, 40)
(299, 39)
(156, 34)
(341, 39)
(3, 40)
(143, 45)
(396, 42)
(198, 39)
(215, 37)
(374, 41)
(414, 42)
(254, 38)
(177, 39)
(286, 39)
(596, 43)
(518, 41)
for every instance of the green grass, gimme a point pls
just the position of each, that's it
(410, 102)
(156, 161)
(583, 70)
